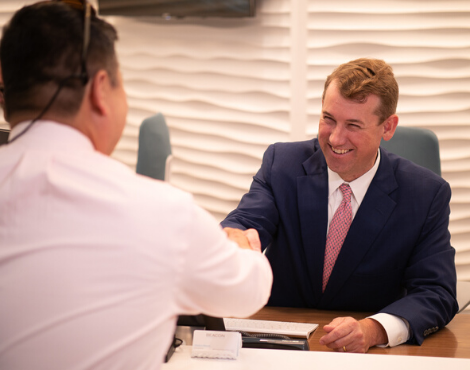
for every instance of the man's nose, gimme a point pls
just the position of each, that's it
(338, 136)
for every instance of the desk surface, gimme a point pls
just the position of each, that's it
(452, 341)
(447, 348)
(260, 359)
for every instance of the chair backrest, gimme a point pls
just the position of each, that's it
(154, 153)
(419, 145)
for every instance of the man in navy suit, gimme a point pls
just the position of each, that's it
(396, 259)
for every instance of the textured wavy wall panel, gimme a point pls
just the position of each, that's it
(228, 88)
(224, 88)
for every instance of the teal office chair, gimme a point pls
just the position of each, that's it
(154, 153)
(419, 145)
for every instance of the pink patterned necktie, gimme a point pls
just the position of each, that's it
(339, 227)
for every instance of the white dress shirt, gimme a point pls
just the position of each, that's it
(397, 329)
(96, 262)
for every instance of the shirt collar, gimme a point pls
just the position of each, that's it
(51, 134)
(359, 186)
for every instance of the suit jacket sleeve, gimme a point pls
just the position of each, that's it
(257, 208)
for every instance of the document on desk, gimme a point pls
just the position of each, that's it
(293, 329)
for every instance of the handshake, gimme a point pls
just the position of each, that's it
(246, 239)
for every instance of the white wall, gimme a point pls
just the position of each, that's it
(229, 88)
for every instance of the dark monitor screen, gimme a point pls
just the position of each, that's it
(209, 322)
(4, 136)
(178, 8)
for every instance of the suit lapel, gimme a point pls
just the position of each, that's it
(312, 201)
(370, 219)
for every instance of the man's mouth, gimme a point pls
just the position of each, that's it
(340, 151)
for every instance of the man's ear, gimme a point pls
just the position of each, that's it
(389, 126)
(99, 90)
(96, 119)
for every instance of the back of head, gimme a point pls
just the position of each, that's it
(41, 48)
(359, 78)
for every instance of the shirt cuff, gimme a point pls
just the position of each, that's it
(397, 329)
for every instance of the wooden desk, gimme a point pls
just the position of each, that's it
(452, 341)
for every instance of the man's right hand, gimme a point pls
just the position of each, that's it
(346, 334)
(246, 239)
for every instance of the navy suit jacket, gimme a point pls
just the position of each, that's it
(396, 258)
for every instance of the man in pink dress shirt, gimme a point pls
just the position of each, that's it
(96, 262)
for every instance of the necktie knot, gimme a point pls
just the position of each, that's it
(346, 191)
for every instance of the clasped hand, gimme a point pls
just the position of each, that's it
(345, 334)
(246, 239)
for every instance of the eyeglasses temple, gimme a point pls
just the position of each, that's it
(86, 41)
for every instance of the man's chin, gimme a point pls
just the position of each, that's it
(339, 169)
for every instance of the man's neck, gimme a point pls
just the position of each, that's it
(29, 116)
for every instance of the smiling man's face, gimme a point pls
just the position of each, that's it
(349, 133)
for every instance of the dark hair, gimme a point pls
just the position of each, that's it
(41, 46)
(359, 78)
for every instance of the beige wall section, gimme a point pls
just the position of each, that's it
(228, 88)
